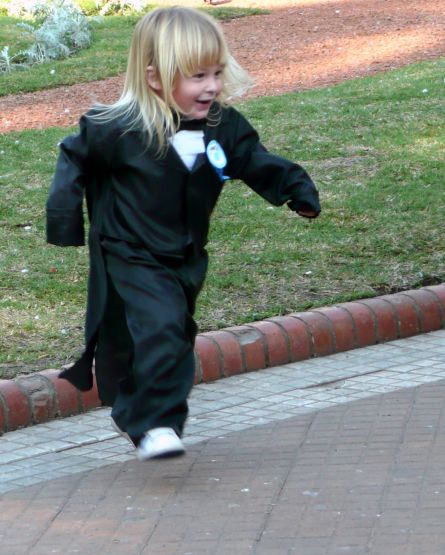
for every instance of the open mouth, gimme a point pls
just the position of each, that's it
(204, 102)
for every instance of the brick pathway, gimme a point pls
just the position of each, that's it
(332, 456)
(42, 396)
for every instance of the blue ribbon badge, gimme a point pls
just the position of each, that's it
(217, 158)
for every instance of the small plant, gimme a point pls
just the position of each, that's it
(6, 60)
(58, 30)
(62, 29)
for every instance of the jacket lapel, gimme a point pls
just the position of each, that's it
(201, 159)
(174, 162)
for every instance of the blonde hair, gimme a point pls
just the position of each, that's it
(175, 41)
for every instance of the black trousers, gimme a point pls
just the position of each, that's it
(144, 356)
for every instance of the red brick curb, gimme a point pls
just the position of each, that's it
(43, 396)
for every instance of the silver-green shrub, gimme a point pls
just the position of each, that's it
(9, 62)
(57, 30)
(61, 30)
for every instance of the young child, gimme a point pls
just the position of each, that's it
(152, 166)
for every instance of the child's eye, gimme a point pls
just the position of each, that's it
(198, 75)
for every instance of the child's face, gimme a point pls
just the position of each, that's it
(194, 95)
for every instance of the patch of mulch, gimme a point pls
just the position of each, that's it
(308, 44)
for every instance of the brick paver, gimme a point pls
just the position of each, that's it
(348, 460)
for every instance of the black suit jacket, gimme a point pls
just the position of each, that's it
(155, 201)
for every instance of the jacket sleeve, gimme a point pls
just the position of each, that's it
(64, 207)
(276, 179)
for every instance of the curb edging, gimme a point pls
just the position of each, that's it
(43, 396)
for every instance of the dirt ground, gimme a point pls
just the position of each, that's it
(299, 45)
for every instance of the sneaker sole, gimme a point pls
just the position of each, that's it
(166, 455)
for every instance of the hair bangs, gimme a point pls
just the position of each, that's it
(199, 44)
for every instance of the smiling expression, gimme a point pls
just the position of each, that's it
(195, 94)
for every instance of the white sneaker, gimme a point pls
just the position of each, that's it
(159, 443)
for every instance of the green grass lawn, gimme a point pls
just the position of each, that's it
(107, 55)
(375, 148)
